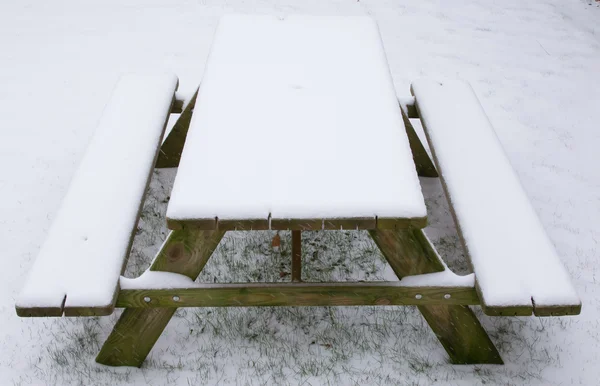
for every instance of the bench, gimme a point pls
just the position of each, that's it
(79, 265)
(517, 270)
(279, 109)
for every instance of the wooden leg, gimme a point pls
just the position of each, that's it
(296, 256)
(424, 164)
(409, 252)
(185, 252)
(170, 151)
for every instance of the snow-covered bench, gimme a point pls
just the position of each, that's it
(78, 268)
(517, 270)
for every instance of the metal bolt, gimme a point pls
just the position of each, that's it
(175, 298)
(447, 296)
(418, 296)
(147, 299)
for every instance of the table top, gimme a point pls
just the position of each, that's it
(296, 126)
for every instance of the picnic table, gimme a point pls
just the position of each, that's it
(296, 126)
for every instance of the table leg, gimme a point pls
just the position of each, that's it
(296, 256)
(185, 252)
(409, 252)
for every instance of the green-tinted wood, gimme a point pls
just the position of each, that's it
(409, 252)
(296, 294)
(314, 224)
(423, 163)
(184, 252)
(170, 151)
(557, 310)
(407, 104)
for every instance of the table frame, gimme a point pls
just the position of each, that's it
(405, 247)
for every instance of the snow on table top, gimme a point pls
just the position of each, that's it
(83, 254)
(513, 259)
(296, 117)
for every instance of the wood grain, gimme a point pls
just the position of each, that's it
(296, 294)
(409, 252)
(184, 252)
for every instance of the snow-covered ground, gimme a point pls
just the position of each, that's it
(535, 66)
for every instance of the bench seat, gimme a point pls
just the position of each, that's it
(517, 270)
(78, 267)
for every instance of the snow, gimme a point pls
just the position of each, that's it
(296, 117)
(156, 280)
(513, 259)
(83, 254)
(169, 280)
(534, 67)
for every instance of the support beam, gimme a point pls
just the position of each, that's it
(296, 294)
(170, 151)
(409, 252)
(184, 252)
(296, 256)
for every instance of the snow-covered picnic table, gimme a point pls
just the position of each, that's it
(297, 126)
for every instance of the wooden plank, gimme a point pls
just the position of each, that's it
(296, 256)
(172, 146)
(296, 294)
(92, 234)
(324, 224)
(184, 252)
(409, 252)
(401, 223)
(423, 163)
(502, 236)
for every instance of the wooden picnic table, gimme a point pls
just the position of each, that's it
(297, 126)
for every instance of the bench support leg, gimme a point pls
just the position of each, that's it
(409, 252)
(185, 252)
(170, 151)
(423, 162)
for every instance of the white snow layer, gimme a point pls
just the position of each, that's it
(513, 259)
(296, 117)
(86, 246)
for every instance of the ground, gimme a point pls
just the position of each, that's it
(534, 66)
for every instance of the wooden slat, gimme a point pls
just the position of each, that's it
(409, 252)
(296, 294)
(185, 252)
(78, 267)
(324, 224)
(517, 270)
